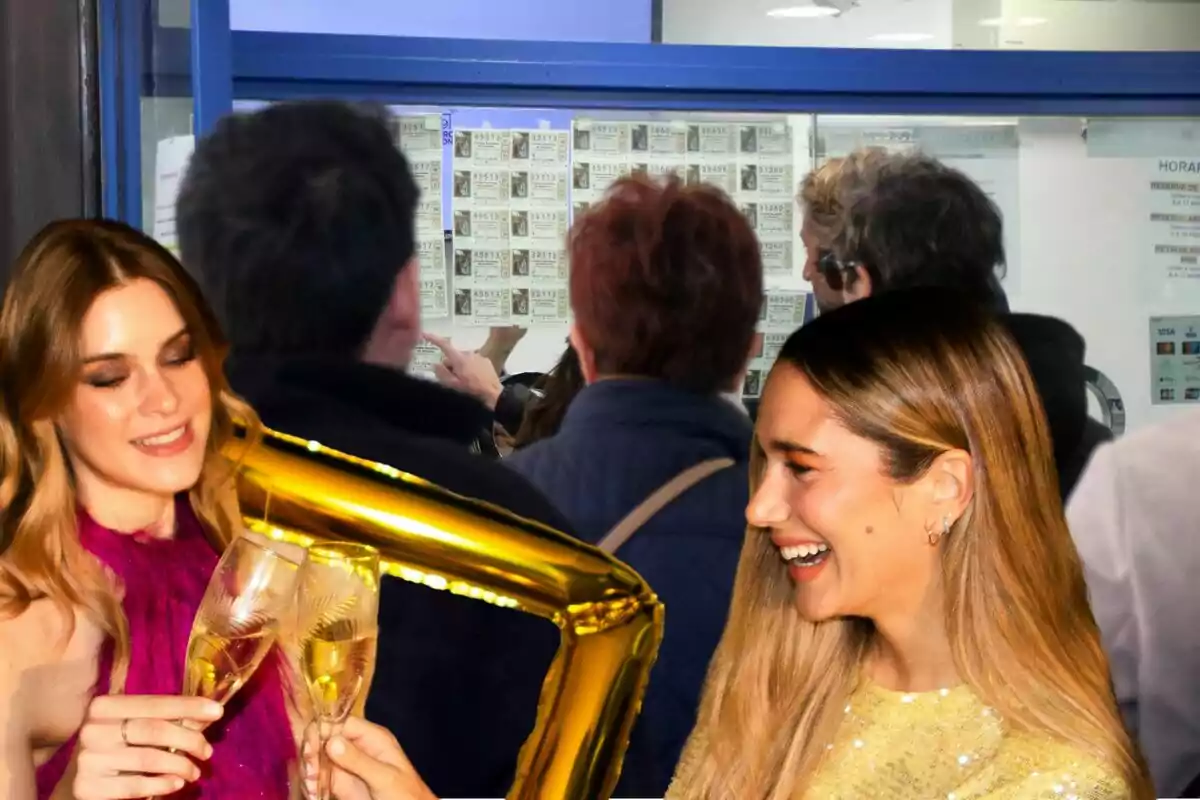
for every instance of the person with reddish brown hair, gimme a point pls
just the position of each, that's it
(666, 288)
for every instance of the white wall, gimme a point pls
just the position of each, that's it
(942, 24)
(1115, 25)
(746, 22)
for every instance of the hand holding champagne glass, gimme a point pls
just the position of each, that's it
(339, 626)
(251, 590)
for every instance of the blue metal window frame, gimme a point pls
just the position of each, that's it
(274, 66)
(121, 69)
(196, 62)
(221, 66)
(212, 63)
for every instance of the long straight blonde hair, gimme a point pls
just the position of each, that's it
(56, 279)
(918, 373)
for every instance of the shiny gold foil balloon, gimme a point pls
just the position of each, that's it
(611, 622)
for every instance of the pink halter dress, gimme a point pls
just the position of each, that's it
(164, 580)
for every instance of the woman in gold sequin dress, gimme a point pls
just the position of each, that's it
(910, 618)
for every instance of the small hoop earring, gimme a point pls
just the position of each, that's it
(934, 538)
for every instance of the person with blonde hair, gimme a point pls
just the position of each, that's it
(115, 502)
(909, 619)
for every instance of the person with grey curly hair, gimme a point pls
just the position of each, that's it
(877, 222)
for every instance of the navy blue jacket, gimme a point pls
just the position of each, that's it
(620, 441)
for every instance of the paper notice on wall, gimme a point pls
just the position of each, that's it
(420, 138)
(482, 252)
(765, 191)
(434, 302)
(752, 161)
(1174, 360)
(481, 305)
(1173, 228)
(171, 158)
(783, 311)
(548, 306)
(539, 217)
(510, 220)
(424, 357)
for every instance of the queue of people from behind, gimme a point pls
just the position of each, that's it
(851, 619)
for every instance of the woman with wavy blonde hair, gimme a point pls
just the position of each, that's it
(115, 502)
(910, 618)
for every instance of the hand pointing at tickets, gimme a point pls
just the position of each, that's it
(369, 764)
(471, 373)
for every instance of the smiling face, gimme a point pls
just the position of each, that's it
(853, 539)
(138, 420)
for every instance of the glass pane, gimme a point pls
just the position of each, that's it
(167, 120)
(530, 20)
(1102, 221)
(937, 24)
(506, 222)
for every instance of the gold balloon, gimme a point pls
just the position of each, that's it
(611, 622)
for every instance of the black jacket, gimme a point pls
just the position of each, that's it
(1054, 352)
(457, 680)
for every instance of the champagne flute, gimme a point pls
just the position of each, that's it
(249, 593)
(338, 626)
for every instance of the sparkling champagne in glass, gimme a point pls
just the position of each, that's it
(250, 593)
(338, 626)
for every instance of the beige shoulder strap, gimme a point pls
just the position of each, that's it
(673, 488)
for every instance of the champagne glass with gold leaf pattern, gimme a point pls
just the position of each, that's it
(338, 628)
(250, 593)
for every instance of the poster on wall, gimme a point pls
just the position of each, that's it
(424, 357)
(765, 191)
(1173, 226)
(1174, 360)
(420, 138)
(510, 216)
(171, 158)
(988, 154)
(751, 161)
(538, 220)
(783, 311)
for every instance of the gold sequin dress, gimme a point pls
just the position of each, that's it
(947, 745)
